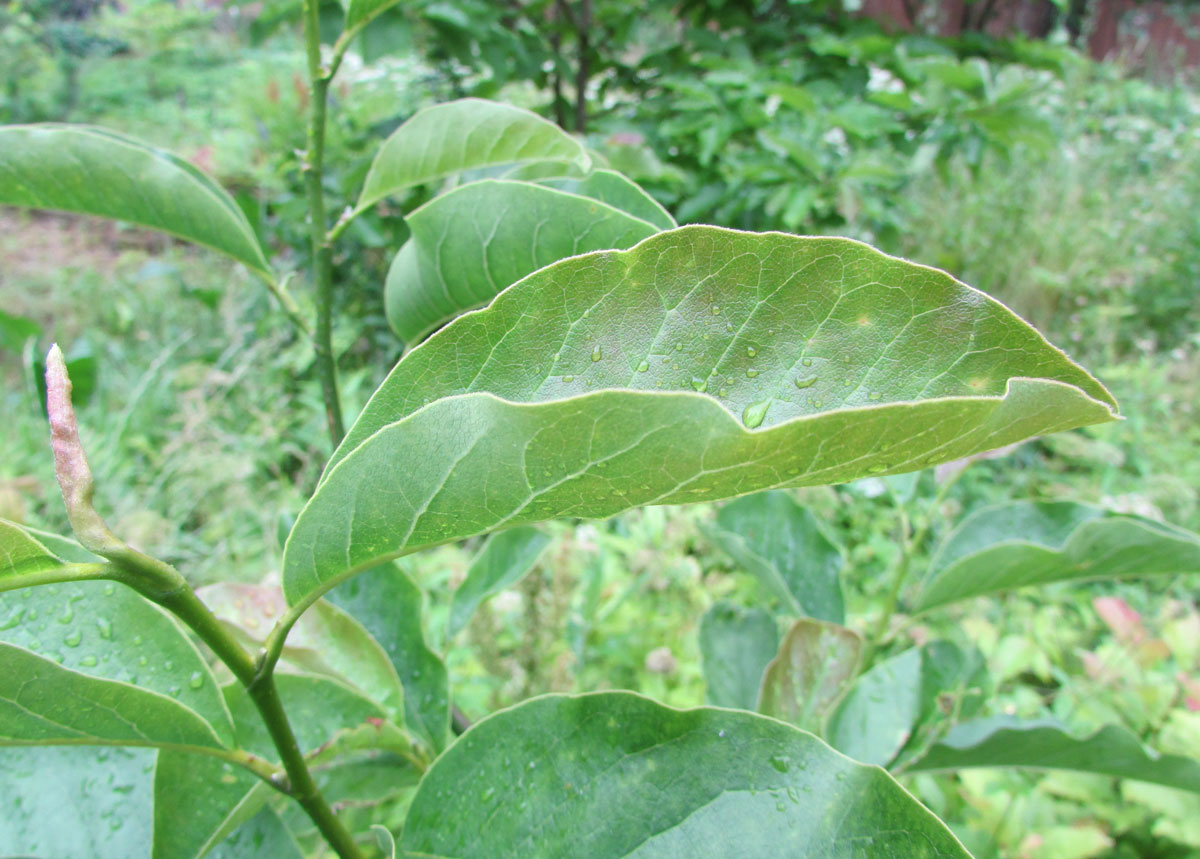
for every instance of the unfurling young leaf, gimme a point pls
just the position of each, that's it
(815, 666)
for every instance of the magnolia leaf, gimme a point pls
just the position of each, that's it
(42, 703)
(876, 717)
(1004, 741)
(614, 774)
(503, 560)
(1031, 543)
(735, 646)
(325, 640)
(262, 835)
(816, 664)
(111, 633)
(21, 553)
(449, 138)
(474, 241)
(93, 171)
(390, 606)
(609, 186)
(912, 368)
(954, 686)
(785, 547)
(76, 801)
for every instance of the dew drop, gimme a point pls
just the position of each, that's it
(68, 614)
(874, 395)
(643, 367)
(751, 373)
(597, 353)
(196, 680)
(487, 794)
(877, 469)
(722, 392)
(754, 413)
(807, 362)
(568, 378)
(806, 383)
(781, 762)
(88, 662)
(678, 347)
(557, 355)
(105, 628)
(699, 385)
(72, 638)
(751, 351)
(716, 309)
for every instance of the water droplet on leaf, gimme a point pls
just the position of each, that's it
(754, 413)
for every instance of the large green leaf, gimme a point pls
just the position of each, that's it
(785, 547)
(42, 703)
(22, 553)
(387, 602)
(110, 632)
(1030, 543)
(614, 774)
(816, 663)
(76, 801)
(93, 171)
(582, 363)
(474, 241)
(735, 645)
(449, 138)
(609, 186)
(503, 560)
(1004, 741)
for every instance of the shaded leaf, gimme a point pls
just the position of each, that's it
(76, 801)
(614, 774)
(359, 13)
(448, 138)
(262, 835)
(735, 646)
(784, 547)
(325, 640)
(474, 241)
(1004, 741)
(390, 606)
(110, 632)
(93, 171)
(504, 559)
(918, 368)
(876, 717)
(609, 186)
(42, 703)
(1029, 543)
(815, 666)
(954, 686)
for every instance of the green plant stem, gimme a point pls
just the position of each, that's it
(57, 575)
(322, 248)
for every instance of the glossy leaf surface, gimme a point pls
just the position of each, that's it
(784, 547)
(93, 171)
(916, 369)
(614, 774)
(1003, 741)
(735, 645)
(815, 666)
(503, 560)
(390, 606)
(611, 187)
(474, 241)
(449, 138)
(1030, 543)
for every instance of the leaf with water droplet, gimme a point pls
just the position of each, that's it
(754, 413)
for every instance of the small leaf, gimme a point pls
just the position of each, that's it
(876, 717)
(478, 239)
(1003, 741)
(390, 606)
(93, 171)
(559, 417)
(325, 640)
(16, 331)
(503, 561)
(614, 774)
(609, 186)
(785, 547)
(816, 664)
(359, 13)
(1030, 543)
(44, 704)
(76, 801)
(735, 645)
(449, 138)
(21, 553)
(112, 633)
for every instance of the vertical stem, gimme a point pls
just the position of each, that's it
(322, 248)
(581, 77)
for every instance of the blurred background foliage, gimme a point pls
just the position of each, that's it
(1068, 188)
